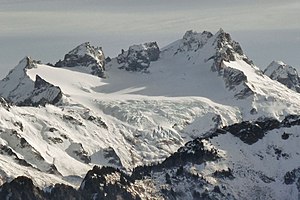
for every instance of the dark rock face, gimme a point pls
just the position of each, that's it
(285, 74)
(291, 120)
(77, 151)
(43, 93)
(95, 119)
(21, 90)
(63, 192)
(112, 157)
(247, 132)
(251, 132)
(227, 50)
(4, 103)
(21, 188)
(233, 77)
(293, 177)
(87, 56)
(72, 120)
(138, 57)
(224, 174)
(97, 184)
(193, 152)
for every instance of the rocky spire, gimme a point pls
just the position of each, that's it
(227, 50)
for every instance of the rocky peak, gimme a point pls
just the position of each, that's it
(138, 57)
(285, 74)
(216, 48)
(227, 50)
(28, 63)
(190, 43)
(90, 58)
(17, 87)
(221, 45)
(194, 41)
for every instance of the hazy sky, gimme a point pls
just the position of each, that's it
(46, 30)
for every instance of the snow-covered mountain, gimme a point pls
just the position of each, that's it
(57, 122)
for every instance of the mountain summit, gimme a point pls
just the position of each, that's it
(89, 58)
(20, 89)
(138, 57)
(285, 74)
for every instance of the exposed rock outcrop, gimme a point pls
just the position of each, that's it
(193, 41)
(21, 90)
(4, 103)
(138, 57)
(227, 50)
(285, 74)
(89, 58)
(43, 93)
(106, 183)
(21, 188)
(77, 151)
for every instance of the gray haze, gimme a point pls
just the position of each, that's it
(46, 30)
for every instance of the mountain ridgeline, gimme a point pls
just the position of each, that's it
(196, 119)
